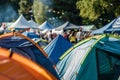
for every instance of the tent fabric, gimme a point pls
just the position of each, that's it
(33, 24)
(17, 67)
(113, 30)
(21, 22)
(112, 27)
(31, 35)
(45, 26)
(91, 59)
(66, 25)
(28, 48)
(101, 30)
(57, 47)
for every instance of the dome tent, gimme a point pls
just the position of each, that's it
(91, 59)
(16, 67)
(25, 46)
(57, 47)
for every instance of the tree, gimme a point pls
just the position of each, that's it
(98, 11)
(25, 8)
(65, 10)
(39, 11)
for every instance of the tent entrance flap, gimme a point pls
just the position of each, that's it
(108, 65)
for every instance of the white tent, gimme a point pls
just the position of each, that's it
(21, 22)
(66, 25)
(33, 24)
(46, 26)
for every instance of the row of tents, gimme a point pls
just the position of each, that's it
(21, 22)
(95, 58)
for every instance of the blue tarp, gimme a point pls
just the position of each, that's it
(57, 47)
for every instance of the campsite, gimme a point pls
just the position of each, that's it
(59, 40)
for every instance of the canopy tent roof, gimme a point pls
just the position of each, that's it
(23, 45)
(45, 26)
(57, 47)
(21, 22)
(66, 25)
(16, 67)
(33, 24)
(98, 56)
(113, 26)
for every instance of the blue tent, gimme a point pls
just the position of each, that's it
(31, 35)
(57, 47)
(45, 26)
(23, 45)
(96, 58)
(112, 27)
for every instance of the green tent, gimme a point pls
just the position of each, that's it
(96, 58)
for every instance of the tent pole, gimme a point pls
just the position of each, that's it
(97, 64)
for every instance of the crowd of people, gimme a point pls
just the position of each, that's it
(76, 36)
(71, 35)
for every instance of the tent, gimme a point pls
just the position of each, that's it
(96, 58)
(21, 22)
(31, 35)
(33, 24)
(66, 25)
(23, 45)
(112, 27)
(45, 26)
(16, 67)
(57, 47)
(115, 27)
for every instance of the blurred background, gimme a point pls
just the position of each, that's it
(79, 12)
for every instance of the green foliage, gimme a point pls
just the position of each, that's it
(98, 11)
(25, 7)
(66, 10)
(39, 11)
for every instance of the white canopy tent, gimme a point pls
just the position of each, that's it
(45, 26)
(21, 22)
(33, 24)
(66, 25)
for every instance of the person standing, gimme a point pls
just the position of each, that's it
(80, 35)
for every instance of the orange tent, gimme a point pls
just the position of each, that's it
(16, 67)
(34, 52)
